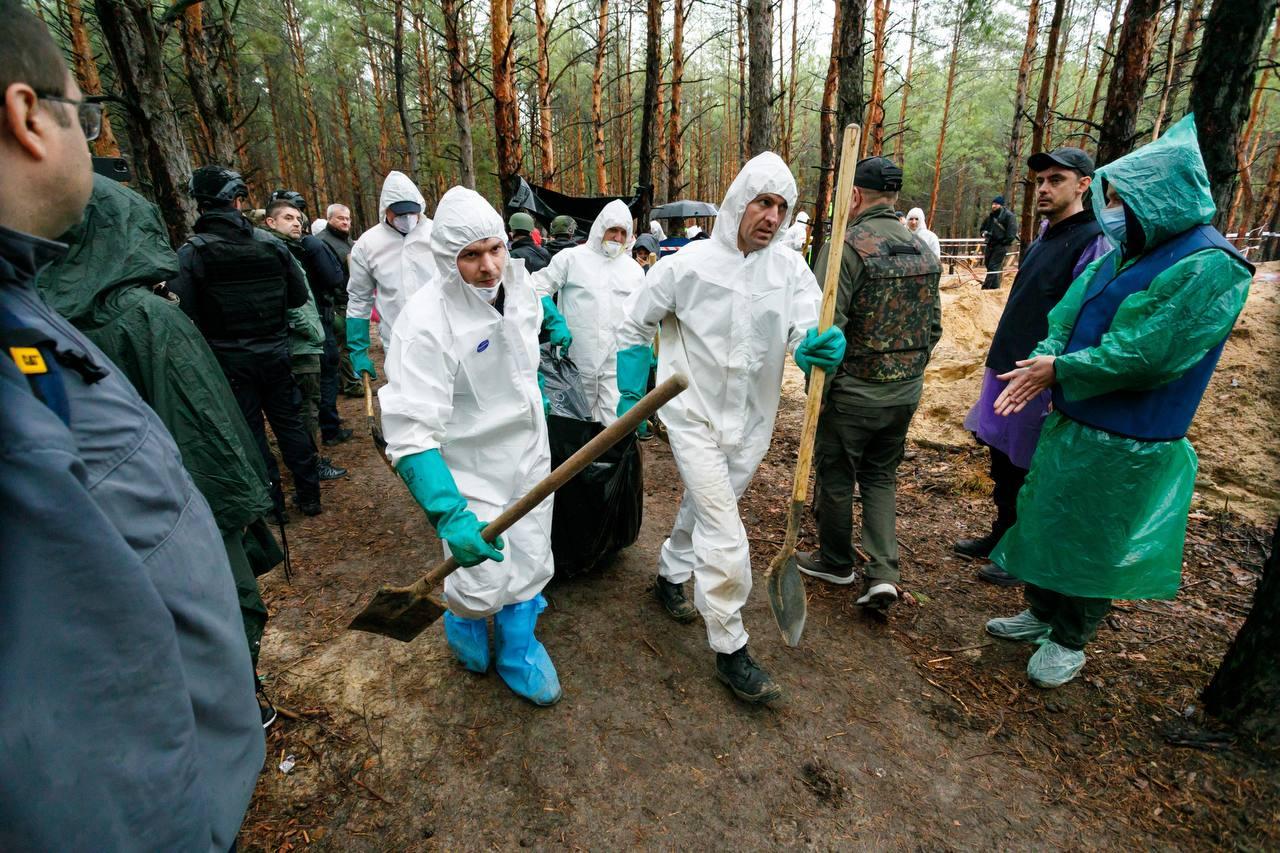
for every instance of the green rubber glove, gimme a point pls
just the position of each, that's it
(358, 343)
(553, 321)
(824, 350)
(633, 377)
(432, 486)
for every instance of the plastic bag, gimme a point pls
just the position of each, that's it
(598, 512)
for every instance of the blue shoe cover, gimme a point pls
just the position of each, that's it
(523, 662)
(469, 640)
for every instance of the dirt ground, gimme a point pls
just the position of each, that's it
(915, 732)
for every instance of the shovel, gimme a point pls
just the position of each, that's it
(375, 432)
(786, 588)
(403, 612)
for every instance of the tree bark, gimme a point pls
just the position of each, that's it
(649, 114)
(850, 97)
(900, 140)
(1245, 691)
(1163, 109)
(137, 53)
(760, 56)
(506, 117)
(213, 108)
(1128, 84)
(1244, 202)
(597, 105)
(1013, 162)
(1195, 19)
(379, 91)
(546, 149)
(675, 154)
(86, 68)
(459, 92)
(788, 137)
(946, 113)
(398, 73)
(827, 141)
(1040, 126)
(873, 137)
(1104, 63)
(357, 184)
(1221, 85)
(743, 147)
(319, 174)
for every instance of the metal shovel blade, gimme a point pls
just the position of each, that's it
(398, 612)
(786, 596)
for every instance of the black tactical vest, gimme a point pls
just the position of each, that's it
(890, 317)
(244, 292)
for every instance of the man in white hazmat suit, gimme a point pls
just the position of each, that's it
(798, 234)
(730, 308)
(465, 428)
(593, 281)
(920, 230)
(382, 271)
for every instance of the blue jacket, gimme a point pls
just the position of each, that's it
(126, 691)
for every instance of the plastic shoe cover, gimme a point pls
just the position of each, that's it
(1024, 626)
(1053, 665)
(523, 662)
(469, 640)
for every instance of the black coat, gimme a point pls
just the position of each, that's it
(535, 257)
(999, 227)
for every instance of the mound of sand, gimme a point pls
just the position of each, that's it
(1234, 431)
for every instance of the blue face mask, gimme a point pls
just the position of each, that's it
(1112, 221)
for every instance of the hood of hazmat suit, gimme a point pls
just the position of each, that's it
(655, 228)
(463, 379)
(1105, 514)
(727, 322)
(388, 267)
(318, 225)
(590, 289)
(923, 234)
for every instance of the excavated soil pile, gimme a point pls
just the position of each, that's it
(1234, 431)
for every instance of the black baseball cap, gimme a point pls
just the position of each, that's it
(878, 173)
(1067, 158)
(401, 207)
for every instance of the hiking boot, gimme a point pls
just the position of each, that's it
(745, 678)
(672, 597)
(810, 563)
(1024, 626)
(337, 438)
(979, 549)
(308, 506)
(991, 573)
(265, 707)
(328, 471)
(877, 595)
(1053, 665)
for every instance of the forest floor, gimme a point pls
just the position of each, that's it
(914, 732)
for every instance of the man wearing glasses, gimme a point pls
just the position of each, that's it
(125, 684)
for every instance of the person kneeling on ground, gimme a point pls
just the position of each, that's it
(1130, 351)
(465, 427)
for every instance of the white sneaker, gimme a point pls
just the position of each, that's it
(1053, 665)
(880, 595)
(1024, 626)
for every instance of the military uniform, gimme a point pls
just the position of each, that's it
(889, 309)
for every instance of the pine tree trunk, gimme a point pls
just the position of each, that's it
(459, 92)
(213, 109)
(398, 74)
(1104, 64)
(788, 137)
(379, 92)
(137, 54)
(744, 147)
(900, 140)
(649, 114)
(760, 57)
(1221, 85)
(357, 183)
(674, 153)
(86, 68)
(1195, 20)
(1163, 109)
(1245, 691)
(1013, 162)
(850, 98)
(546, 150)
(1040, 126)
(597, 105)
(1243, 203)
(827, 141)
(506, 117)
(873, 137)
(946, 113)
(1078, 98)
(319, 174)
(1128, 82)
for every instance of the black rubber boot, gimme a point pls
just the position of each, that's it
(671, 596)
(307, 506)
(991, 573)
(338, 437)
(979, 549)
(748, 681)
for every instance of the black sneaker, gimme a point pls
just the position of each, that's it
(328, 471)
(979, 549)
(338, 437)
(811, 564)
(991, 573)
(265, 707)
(673, 600)
(745, 678)
(308, 507)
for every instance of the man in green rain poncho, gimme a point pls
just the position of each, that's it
(110, 286)
(1131, 348)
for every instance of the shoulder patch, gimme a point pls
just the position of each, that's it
(29, 360)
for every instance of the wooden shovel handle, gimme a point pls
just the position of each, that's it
(830, 286)
(567, 470)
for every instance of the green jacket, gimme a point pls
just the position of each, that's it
(1102, 516)
(306, 333)
(104, 287)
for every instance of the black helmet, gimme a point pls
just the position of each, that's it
(294, 198)
(213, 184)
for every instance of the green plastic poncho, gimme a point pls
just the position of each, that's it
(1102, 516)
(103, 286)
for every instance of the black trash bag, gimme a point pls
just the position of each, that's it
(598, 512)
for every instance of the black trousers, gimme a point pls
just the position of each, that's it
(330, 422)
(1008, 479)
(993, 260)
(1074, 620)
(264, 385)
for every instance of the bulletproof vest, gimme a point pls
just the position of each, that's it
(243, 294)
(890, 317)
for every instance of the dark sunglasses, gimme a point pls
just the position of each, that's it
(88, 111)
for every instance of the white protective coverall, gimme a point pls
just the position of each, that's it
(923, 234)
(727, 323)
(798, 233)
(386, 266)
(592, 289)
(463, 378)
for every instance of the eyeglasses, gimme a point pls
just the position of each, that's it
(89, 112)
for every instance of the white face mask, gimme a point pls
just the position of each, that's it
(612, 248)
(405, 222)
(488, 294)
